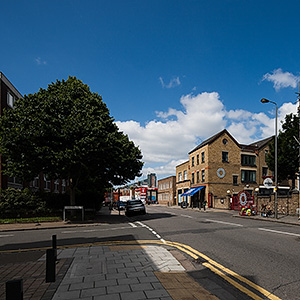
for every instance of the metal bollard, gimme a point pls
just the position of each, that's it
(14, 289)
(54, 246)
(50, 265)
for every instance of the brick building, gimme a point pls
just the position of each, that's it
(219, 168)
(182, 182)
(8, 95)
(167, 191)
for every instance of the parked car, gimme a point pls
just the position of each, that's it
(135, 207)
(119, 205)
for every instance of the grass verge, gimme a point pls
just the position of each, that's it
(30, 220)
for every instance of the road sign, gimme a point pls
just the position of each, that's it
(268, 183)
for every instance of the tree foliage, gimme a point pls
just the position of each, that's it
(287, 149)
(66, 131)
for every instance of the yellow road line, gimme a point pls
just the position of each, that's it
(184, 248)
(239, 277)
(231, 281)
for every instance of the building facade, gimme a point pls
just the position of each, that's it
(220, 168)
(8, 96)
(183, 183)
(166, 191)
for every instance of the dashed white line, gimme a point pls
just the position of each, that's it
(151, 230)
(186, 216)
(280, 232)
(5, 235)
(225, 223)
(132, 224)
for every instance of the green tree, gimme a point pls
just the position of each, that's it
(66, 131)
(287, 150)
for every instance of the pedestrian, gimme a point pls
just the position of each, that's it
(204, 204)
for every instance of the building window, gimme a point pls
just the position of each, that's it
(248, 176)
(185, 175)
(197, 159)
(264, 171)
(266, 154)
(224, 156)
(179, 176)
(203, 157)
(56, 186)
(198, 177)
(193, 161)
(234, 179)
(193, 177)
(63, 186)
(10, 100)
(203, 175)
(47, 184)
(248, 160)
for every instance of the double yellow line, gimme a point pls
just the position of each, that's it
(215, 267)
(224, 272)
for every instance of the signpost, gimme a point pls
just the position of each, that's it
(268, 183)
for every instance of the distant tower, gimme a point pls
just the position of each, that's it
(151, 180)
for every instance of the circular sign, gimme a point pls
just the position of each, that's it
(221, 172)
(243, 198)
(268, 183)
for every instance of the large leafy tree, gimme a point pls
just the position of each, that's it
(287, 150)
(66, 131)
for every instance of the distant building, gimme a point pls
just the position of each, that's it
(152, 180)
(167, 191)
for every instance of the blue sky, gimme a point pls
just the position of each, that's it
(171, 72)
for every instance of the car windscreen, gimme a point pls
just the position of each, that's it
(134, 202)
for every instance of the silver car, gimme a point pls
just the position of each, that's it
(135, 207)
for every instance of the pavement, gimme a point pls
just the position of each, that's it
(116, 270)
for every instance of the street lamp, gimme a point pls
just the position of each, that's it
(263, 100)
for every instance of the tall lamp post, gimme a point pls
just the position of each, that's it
(263, 100)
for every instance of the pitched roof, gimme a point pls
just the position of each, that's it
(261, 143)
(258, 144)
(213, 138)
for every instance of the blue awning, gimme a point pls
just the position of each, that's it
(192, 191)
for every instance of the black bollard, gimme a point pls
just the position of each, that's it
(54, 246)
(50, 265)
(14, 289)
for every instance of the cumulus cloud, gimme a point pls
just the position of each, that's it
(282, 79)
(165, 142)
(173, 83)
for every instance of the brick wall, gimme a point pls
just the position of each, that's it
(286, 205)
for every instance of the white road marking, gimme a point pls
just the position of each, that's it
(186, 216)
(151, 230)
(5, 235)
(225, 223)
(280, 232)
(131, 224)
(170, 213)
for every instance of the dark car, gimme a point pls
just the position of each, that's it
(119, 205)
(135, 207)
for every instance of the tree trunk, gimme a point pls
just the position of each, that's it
(72, 193)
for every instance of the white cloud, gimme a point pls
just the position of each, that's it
(173, 83)
(282, 79)
(166, 142)
(39, 61)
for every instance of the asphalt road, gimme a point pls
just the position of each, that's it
(265, 253)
